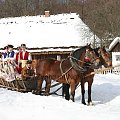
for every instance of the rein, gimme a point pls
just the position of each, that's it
(65, 72)
(92, 73)
(76, 66)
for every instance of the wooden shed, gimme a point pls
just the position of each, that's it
(114, 48)
(115, 45)
(52, 52)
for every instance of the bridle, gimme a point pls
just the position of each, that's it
(92, 57)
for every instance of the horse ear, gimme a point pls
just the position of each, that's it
(88, 44)
(103, 47)
(89, 47)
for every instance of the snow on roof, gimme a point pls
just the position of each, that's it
(36, 50)
(114, 42)
(40, 31)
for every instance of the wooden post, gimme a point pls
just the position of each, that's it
(47, 13)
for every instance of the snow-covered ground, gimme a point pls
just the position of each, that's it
(27, 106)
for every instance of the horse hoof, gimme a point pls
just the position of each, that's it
(83, 103)
(46, 94)
(90, 104)
(36, 92)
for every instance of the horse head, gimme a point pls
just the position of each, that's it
(84, 56)
(91, 58)
(105, 57)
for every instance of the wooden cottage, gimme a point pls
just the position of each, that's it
(54, 36)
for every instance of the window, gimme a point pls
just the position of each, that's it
(117, 57)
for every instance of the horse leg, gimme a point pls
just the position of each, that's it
(72, 92)
(47, 88)
(39, 86)
(65, 91)
(89, 93)
(83, 91)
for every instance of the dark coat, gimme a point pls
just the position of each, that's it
(27, 73)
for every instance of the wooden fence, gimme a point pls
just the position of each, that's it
(114, 70)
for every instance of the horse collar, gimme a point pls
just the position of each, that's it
(75, 65)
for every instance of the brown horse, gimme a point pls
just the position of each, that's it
(69, 71)
(105, 60)
(105, 56)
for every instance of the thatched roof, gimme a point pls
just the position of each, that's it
(62, 30)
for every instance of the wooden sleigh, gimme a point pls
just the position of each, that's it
(19, 84)
(10, 79)
(13, 81)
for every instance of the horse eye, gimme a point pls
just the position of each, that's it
(92, 52)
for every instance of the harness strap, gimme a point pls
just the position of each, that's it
(64, 73)
(92, 73)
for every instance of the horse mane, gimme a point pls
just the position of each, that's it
(78, 52)
(76, 56)
(96, 51)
